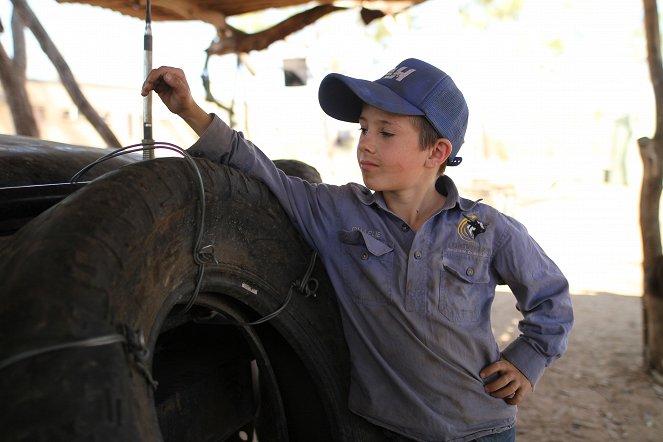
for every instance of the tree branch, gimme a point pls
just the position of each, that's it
(67, 77)
(18, 35)
(232, 40)
(17, 98)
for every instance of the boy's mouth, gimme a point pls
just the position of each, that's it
(367, 165)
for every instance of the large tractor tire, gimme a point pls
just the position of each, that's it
(97, 308)
(28, 161)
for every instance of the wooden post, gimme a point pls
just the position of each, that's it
(651, 152)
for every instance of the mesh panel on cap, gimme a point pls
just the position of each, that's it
(445, 108)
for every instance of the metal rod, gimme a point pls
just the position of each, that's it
(147, 67)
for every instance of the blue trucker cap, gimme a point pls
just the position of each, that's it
(414, 87)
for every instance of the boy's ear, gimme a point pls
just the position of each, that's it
(440, 151)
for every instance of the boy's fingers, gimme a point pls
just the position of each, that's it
(486, 372)
(149, 83)
(161, 78)
(490, 369)
(503, 386)
(523, 391)
(508, 389)
(510, 385)
(516, 399)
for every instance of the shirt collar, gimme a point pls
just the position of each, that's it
(443, 185)
(365, 195)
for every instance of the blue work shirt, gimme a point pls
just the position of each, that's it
(416, 306)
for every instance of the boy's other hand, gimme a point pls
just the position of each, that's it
(511, 385)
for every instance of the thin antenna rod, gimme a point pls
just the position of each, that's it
(147, 67)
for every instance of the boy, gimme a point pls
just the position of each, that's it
(413, 264)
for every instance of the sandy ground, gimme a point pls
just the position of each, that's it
(598, 391)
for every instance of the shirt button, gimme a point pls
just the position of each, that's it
(364, 256)
(417, 255)
(405, 228)
(469, 271)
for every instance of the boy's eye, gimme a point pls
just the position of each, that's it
(384, 133)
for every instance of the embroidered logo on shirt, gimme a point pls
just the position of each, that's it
(373, 233)
(470, 227)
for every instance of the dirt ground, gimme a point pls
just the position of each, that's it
(598, 391)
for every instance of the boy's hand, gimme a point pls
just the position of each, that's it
(511, 385)
(171, 86)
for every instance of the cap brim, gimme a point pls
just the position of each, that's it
(343, 97)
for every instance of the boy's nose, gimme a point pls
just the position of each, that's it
(364, 145)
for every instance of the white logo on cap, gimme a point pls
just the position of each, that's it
(398, 74)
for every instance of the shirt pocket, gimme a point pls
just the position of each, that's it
(461, 294)
(367, 267)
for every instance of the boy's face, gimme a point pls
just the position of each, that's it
(389, 154)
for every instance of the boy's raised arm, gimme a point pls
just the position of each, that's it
(173, 89)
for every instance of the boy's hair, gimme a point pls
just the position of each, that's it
(427, 136)
(414, 87)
